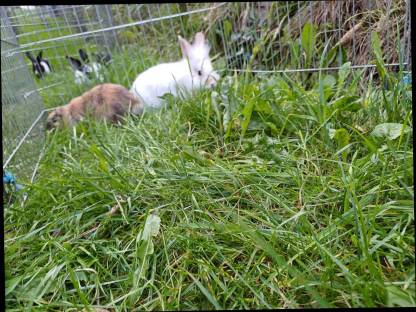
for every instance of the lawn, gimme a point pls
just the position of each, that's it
(271, 191)
(259, 194)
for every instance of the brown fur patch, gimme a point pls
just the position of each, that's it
(107, 101)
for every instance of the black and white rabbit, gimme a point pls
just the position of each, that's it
(40, 66)
(84, 70)
(96, 67)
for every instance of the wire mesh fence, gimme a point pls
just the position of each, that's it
(21, 106)
(256, 36)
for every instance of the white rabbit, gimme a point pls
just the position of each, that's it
(194, 71)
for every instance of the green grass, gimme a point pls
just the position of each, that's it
(272, 192)
(260, 204)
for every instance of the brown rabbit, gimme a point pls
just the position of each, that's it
(104, 102)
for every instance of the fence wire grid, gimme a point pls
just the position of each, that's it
(264, 37)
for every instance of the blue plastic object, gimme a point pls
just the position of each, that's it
(407, 79)
(9, 178)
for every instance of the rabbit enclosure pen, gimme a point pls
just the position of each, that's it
(296, 51)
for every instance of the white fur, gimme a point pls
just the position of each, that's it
(179, 76)
(45, 67)
(80, 77)
(96, 68)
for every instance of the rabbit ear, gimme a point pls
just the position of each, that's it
(185, 46)
(40, 55)
(83, 54)
(199, 38)
(75, 64)
(30, 56)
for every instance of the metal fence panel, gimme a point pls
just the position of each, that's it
(21, 106)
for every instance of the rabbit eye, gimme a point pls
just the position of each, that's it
(199, 73)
